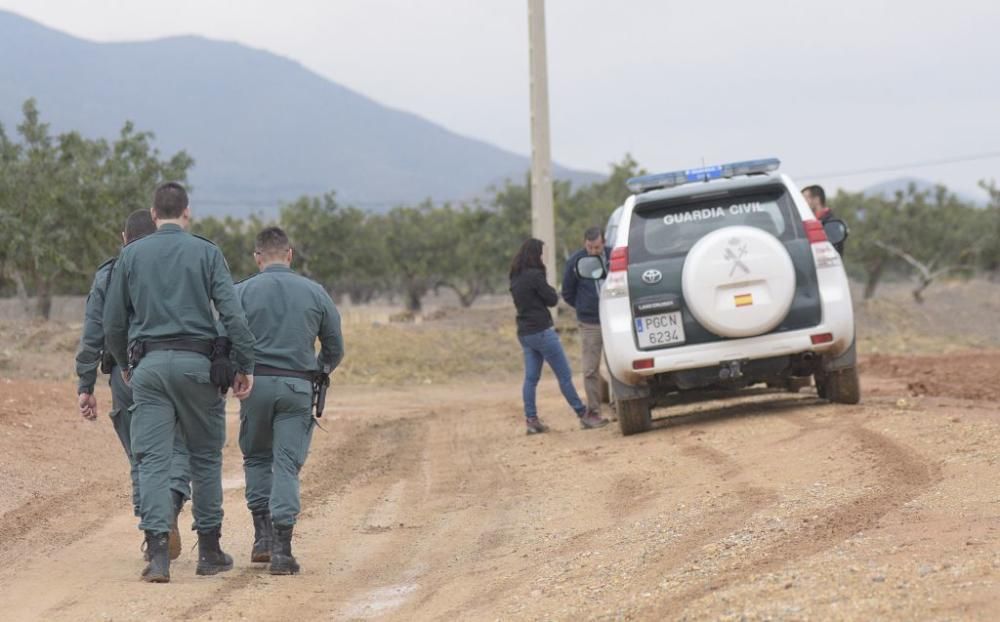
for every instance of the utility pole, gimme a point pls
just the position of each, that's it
(542, 212)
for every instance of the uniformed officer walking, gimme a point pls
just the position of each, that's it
(159, 325)
(287, 312)
(91, 354)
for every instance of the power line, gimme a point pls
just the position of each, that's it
(376, 204)
(899, 167)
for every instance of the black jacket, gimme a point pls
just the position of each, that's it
(533, 296)
(583, 295)
(827, 214)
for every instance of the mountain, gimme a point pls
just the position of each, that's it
(888, 189)
(262, 128)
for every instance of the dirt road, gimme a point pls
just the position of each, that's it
(429, 503)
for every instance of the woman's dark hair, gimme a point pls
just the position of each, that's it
(529, 256)
(139, 224)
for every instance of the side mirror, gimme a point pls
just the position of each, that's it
(591, 268)
(836, 231)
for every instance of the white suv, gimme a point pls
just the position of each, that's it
(720, 278)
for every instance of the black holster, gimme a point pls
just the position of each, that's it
(136, 350)
(320, 383)
(107, 363)
(222, 372)
(319, 380)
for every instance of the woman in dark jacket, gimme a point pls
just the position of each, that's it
(533, 296)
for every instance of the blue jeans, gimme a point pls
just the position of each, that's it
(540, 348)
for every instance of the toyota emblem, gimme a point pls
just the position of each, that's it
(652, 277)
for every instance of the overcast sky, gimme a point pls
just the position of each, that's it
(826, 86)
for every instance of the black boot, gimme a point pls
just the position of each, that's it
(211, 559)
(174, 543)
(158, 568)
(261, 537)
(282, 561)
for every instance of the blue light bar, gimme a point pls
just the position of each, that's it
(645, 183)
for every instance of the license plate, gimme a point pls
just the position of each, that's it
(663, 329)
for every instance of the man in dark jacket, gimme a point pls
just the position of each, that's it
(584, 296)
(816, 199)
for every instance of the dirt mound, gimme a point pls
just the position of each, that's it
(963, 375)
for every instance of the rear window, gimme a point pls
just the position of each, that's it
(672, 229)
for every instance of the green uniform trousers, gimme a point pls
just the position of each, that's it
(275, 430)
(172, 390)
(121, 419)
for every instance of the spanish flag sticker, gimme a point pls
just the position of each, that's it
(744, 300)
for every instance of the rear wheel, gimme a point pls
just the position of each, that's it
(843, 386)
(634, 416)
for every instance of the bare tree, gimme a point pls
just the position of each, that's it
(925, 272)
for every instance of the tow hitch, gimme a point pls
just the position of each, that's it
(731, 370)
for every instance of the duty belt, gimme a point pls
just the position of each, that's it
(264, 370)
(185, 345)
(138, 349)
(320, 380)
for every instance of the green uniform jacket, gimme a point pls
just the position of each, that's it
(167, 283)
(88, 354)
(287, 312)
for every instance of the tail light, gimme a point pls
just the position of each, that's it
(814, 231)
(643, 364)
(825, 254)
(822, 338)
(619, 259)
(616, 285)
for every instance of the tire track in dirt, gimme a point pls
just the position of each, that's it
(901, 476)
(411, 515)
(375, 452)
(620, 504)
(633, 492)
(468, 484)
(46, 524)
(383, 550)
(742, 499)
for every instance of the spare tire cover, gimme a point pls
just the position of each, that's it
(738, 282)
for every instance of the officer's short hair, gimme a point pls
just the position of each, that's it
(272, 241)
(593, 234)
(818, 192)
(170, 200)
(139, 224)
